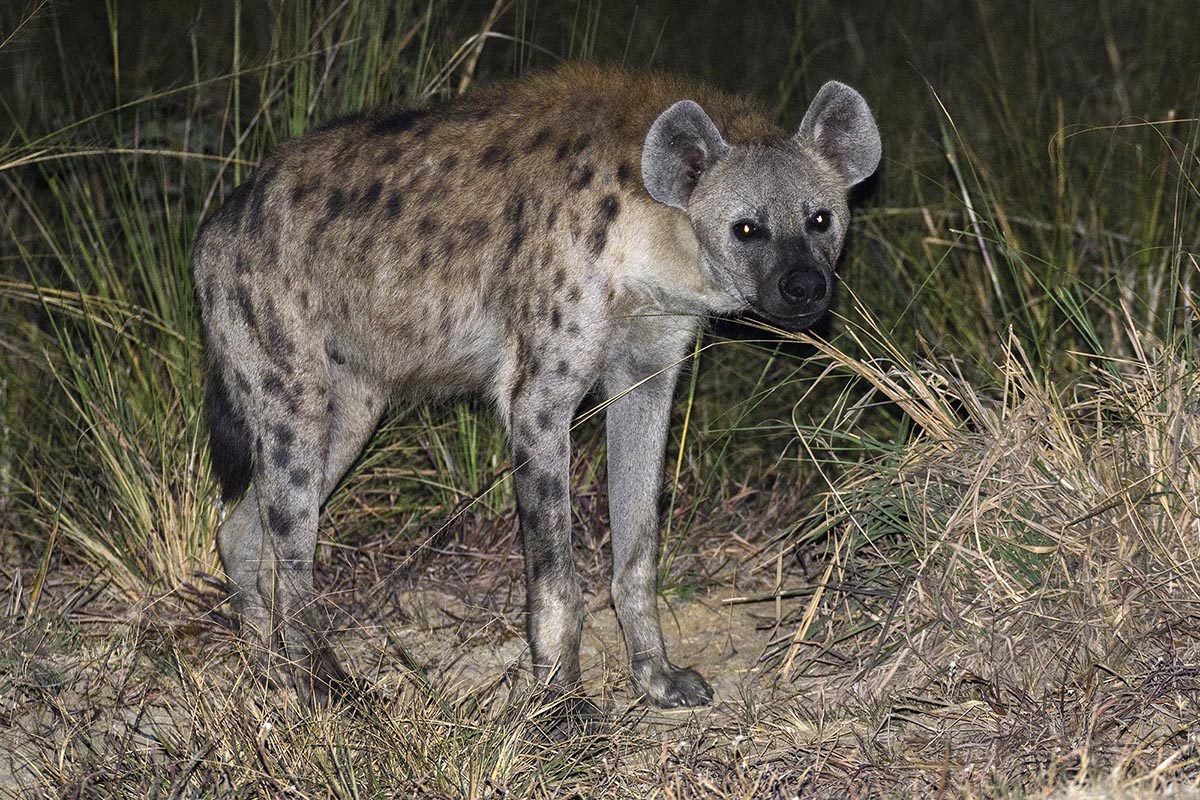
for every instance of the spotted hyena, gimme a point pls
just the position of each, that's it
(531, 241)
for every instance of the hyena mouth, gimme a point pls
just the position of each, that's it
(795, 323)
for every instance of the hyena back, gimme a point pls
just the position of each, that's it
(531, 241)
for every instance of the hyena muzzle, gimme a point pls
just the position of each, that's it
(533, 241)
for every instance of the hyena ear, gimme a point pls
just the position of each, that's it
(841, 126)
(682, 143)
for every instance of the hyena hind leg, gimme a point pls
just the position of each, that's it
(293, 487)
(240, 545)
(302, 458)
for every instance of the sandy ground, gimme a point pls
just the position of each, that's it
(471, 646)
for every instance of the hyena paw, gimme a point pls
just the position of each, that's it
(675, 687)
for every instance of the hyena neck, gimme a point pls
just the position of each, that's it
(658, 267)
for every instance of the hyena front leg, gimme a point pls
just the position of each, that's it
(637, 423)
(540, 429)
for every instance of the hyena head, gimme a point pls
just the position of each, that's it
(770, 217)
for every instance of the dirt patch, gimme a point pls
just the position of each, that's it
(470, 647)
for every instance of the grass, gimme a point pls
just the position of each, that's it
(946, 545)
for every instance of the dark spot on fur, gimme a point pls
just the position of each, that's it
(243, 383)
(494, 155)
(514, 215)
(334, 356)
(531, 519)
(580, 144)
(573, 293)
(208, 295)
(624, 174)
(563, 149)
(273, 385)
(424, 261)
(563, 367)
(540, 139)
(535, 366)
(552, 218)
(555, 319)
(395, 203)
(281, 451)
(573, 329)
(449, 162)
(520, 457)
(560, 277)
(334, 205)
(609, 207)
(279, 520)
(278, 345)
(449, 248)
(544, 420)
(299, 477)
(305, 301)
(299, 192)
(582, 179)
(241, 296)
(427, 227)
(475, 231)
(396, 122)
(597, 240)
(550, 487)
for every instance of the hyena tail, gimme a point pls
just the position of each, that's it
(229, 439)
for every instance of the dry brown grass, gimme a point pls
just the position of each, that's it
(1014, 600)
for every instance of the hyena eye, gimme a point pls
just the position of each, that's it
(819, 220)
(745, 230)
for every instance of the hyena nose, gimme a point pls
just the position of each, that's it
(803, 287)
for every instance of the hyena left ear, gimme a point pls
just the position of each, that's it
(682, 143)
(840, 124)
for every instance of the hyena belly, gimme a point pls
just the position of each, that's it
(532, 242)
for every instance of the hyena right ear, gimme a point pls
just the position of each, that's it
(682, 143)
